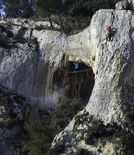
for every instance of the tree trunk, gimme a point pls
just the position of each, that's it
(61, 24)
(49, 18)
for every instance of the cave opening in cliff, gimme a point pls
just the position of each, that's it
(76, 79)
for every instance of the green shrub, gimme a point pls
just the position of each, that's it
(100, 131)
(66, 109)
(20, 39)
(3, 43)
(113, 133)
(39, 28)
(82, 118)
(83, 152)
(10, 34)
(40, 128)
(129, 117)
(39, 133)
(59, 148)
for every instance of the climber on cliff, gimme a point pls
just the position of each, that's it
(76, 66)
(2, 11)
(109, 33)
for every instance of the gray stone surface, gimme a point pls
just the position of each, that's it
(125, 5)
(27, 68)
(114, 77)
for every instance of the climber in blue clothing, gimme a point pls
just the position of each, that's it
(2, 11)
(76, 65)
(76, 68)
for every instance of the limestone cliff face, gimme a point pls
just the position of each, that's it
(113, 65)
(107, 111)
(26, 59)
(31, 52)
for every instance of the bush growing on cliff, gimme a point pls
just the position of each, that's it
(68, 7)
(59, 12)
(4, 43)
(66, 109)
(122, 138)
(39, 133)
(83, 152)
(74, 8)
(80, 11)
(19, 8)
(40, 128)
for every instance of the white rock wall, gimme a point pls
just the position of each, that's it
(28, 70)
(114, 78)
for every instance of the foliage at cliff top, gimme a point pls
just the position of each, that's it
(71, 15)
(75, 8)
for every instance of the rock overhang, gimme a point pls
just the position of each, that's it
(113, 91)
(40, 55)
(86, 46)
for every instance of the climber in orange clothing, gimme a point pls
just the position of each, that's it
(109, 35)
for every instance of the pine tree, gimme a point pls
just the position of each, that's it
(47, 8)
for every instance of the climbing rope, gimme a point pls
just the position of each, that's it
(86, 70)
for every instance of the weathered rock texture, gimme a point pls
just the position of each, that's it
(31, 53)
(113, 90)
(125, 4)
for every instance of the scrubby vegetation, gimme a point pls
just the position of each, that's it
(120, 137)
(71, 7)
(40, 127)
(129, 116)
(66, 109)
(83, 152)
(79, 7)
(38, 133)
(71, 15)
(3, 43)
(13, 112)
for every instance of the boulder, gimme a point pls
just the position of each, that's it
(125, 5)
